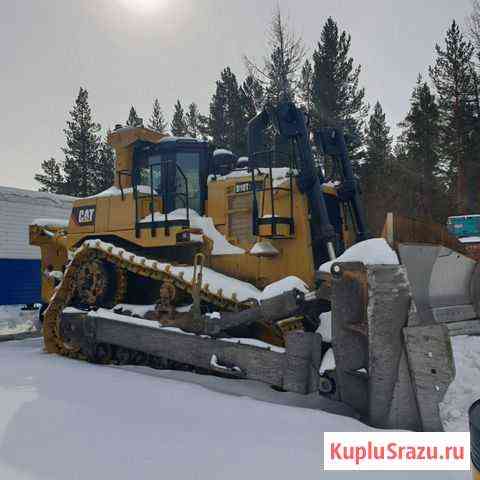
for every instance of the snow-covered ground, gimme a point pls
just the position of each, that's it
(14, 320)
(61, 419)
(465, 389)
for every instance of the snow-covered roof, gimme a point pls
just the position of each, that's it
(463, 216)
(51, 222)
(222, 151)
(116, 192)
(126, 128)
(172, 138)
(18, 209)
(469, 239)
(11, 194)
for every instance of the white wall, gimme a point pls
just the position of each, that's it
(18, 208)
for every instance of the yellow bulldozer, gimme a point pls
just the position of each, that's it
(226, 255)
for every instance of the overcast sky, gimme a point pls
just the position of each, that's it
(130, 51)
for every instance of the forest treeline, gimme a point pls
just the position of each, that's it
(430, 171)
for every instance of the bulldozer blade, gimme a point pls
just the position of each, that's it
(389, 368)
(445, 284)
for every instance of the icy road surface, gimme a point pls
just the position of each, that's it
(63, 419)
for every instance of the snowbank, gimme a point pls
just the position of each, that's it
(465, 389)
(14, 320)
(375, 251)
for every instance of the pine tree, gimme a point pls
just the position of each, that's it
(178, 125)
(157, 120)
(81, 150)
(281, 68)
(337, 99)
(376, 169)
(192, 120)
(133, 119)
(455, 82)
(420, 157)
(252, 97)
(51, 179)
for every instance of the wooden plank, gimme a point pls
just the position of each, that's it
(413, 230)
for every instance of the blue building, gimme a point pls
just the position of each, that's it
(20, 270)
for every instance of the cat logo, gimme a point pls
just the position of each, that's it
(84, 215)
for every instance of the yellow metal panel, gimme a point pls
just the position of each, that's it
(121, 213)
(122, 141)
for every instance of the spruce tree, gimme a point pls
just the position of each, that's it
(178, 125)
(455, 82)
(420, 159)
(376, 169)
(192, 120)
(337, 99)
(51, 178)
(133, 119)
(157, 120)
(81, 150)
(235, 118)
(217, 129)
